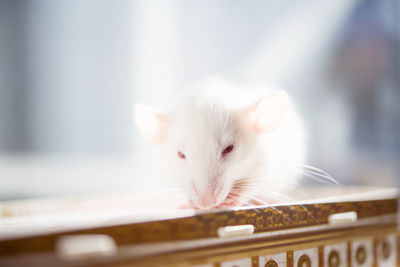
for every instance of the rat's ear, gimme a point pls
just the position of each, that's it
(152, 125)
(265, 115)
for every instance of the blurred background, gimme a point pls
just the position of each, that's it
(70, 72)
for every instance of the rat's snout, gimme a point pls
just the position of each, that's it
(206, 203)
(209, 197)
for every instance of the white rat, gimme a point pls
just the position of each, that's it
(228, 147)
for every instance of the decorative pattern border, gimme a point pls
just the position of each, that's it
(251, 255)
(206, 225)
(351, 260)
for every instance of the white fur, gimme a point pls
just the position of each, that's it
(208, 120)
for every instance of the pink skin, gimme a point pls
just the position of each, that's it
(228, 203)
(232, 200)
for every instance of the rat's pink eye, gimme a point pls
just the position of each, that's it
(181, 155)
(227, 150)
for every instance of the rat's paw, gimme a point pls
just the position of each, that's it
(228, 203)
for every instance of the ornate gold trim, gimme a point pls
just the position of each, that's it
(304, 261)
(375, 243)
(218, 254)
(270, 263)
(361, 254)
(386, 249)
(397, 244)
(349, 256)
(255, 261)
(289, 258)
(333, 258)
(206, 225)
(321, 256)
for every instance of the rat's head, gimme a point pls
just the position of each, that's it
(211, 142)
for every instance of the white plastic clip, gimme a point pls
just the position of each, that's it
(78, 247)
(342, 218)
(236, 230)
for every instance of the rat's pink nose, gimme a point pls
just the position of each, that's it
(206, 202)
(208, 197)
